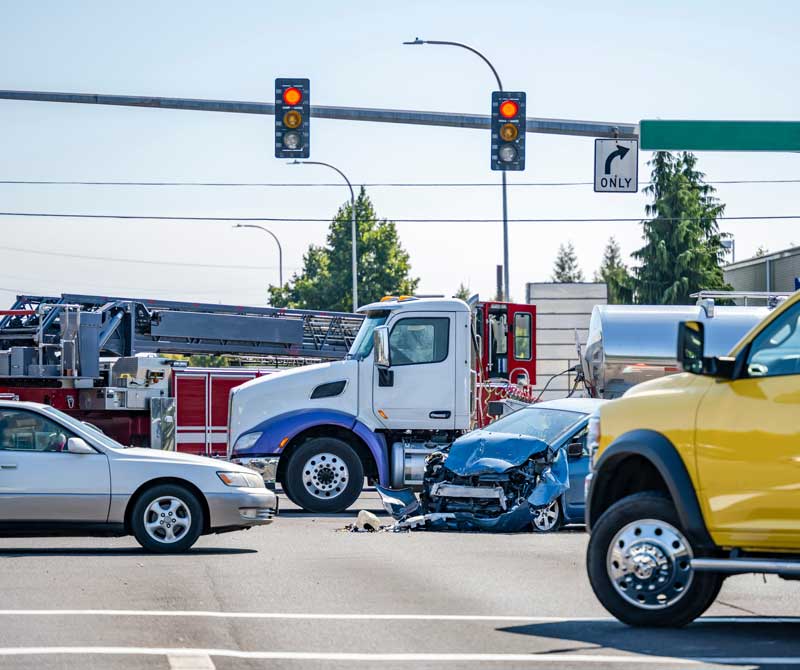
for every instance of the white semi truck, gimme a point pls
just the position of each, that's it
(419, 373)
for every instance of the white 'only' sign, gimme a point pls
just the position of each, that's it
(616, 166)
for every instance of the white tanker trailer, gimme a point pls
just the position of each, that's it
(629, 344)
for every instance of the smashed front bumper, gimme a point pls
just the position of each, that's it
(482, 505)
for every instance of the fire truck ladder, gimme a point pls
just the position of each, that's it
(128, 326)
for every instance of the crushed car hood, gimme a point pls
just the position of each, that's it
(484, 452)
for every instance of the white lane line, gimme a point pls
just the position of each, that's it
(192, 661)
(550, 658)
(369, 617)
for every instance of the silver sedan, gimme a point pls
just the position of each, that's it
(60, 476)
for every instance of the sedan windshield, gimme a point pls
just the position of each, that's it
(81, 426)
(540, 422)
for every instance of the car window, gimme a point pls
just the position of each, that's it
(22, 430)
(419, 340)
(540, 422)
(776, 350)
(522, 336)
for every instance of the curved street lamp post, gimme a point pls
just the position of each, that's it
(277, 241)
(506, 289)
(353, 225)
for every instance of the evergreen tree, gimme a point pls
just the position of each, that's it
(326, 279)
(682, 250)
(463, 292)
(566, 268)
(614, 273)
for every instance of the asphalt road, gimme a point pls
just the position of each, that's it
(302, 593)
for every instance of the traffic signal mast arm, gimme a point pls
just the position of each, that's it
(450, 119)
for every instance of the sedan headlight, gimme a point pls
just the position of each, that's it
(242, 479)
(245, 442)
(593, 434)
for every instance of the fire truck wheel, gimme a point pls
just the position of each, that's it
(324, 475)
(167, 519)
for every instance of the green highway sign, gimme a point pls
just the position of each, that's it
(657, 135)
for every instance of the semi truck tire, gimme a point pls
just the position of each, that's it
(325, 475)
(638, 562)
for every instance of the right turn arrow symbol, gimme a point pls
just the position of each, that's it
(620, 152)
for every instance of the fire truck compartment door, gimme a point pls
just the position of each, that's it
(418, 391)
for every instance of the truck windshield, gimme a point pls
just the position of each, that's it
(544, 424)
(362, 345)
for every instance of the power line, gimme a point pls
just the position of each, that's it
(43, 182)
(139, 261)
(285, 219)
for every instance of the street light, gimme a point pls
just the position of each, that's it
(507, 290)
(277, 241)
(353, 227)
(729, 244)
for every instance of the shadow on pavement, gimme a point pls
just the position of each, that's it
(11, 552)
(728, 639)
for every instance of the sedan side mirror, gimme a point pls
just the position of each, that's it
(380, 347)
(77, 445)
(575, 449)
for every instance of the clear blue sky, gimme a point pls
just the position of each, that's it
(620, 61)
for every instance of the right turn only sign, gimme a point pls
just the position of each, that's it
(616, 166)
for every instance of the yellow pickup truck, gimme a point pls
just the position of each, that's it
(697, 476)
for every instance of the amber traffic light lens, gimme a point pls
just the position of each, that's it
(508, 132)
(292, 119)
(508, 109)
(292, 96)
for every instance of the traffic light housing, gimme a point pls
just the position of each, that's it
(508, 130)
(292, 118)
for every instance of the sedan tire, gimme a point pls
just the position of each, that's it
(548, 519)
(167, 519)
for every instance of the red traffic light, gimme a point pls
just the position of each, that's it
(292, 96)
(509, 109)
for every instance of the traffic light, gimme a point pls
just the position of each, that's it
(292, 118)
(508, 130)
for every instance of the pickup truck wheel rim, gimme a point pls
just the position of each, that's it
(546, 517)
(325, 476)
(167, 519)
(649, 564)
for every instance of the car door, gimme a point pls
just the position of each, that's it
(574, 497)
(40, 480)
(419, 390)
(748, 443)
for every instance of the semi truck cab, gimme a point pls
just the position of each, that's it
(321, 429)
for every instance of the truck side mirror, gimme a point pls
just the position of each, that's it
(380, 347)
(691, 353)
(691, 346)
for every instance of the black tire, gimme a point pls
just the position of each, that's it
(558, 522)
(337, 461)
(187, 533)
(677, 610)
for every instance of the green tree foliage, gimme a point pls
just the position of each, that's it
(682, 250)
(326, 280)
(614, 273)
(463, 292)
(566, 268)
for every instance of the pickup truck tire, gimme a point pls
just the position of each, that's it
(167, 519)
(324, 475)
(638, 564)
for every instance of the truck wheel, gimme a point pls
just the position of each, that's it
(548, 519)
(638, 562)
(324, 474)
(167, 519)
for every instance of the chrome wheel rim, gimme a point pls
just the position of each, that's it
(325, 476)
(649, 564)
(546, 518)
(167, 519)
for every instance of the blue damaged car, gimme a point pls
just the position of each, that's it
(524, 471)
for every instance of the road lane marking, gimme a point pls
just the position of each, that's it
(191, 661)
(369, 617)
(550, 658)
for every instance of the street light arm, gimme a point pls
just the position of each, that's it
(332, 167)
(277, 241)
(468, 48)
